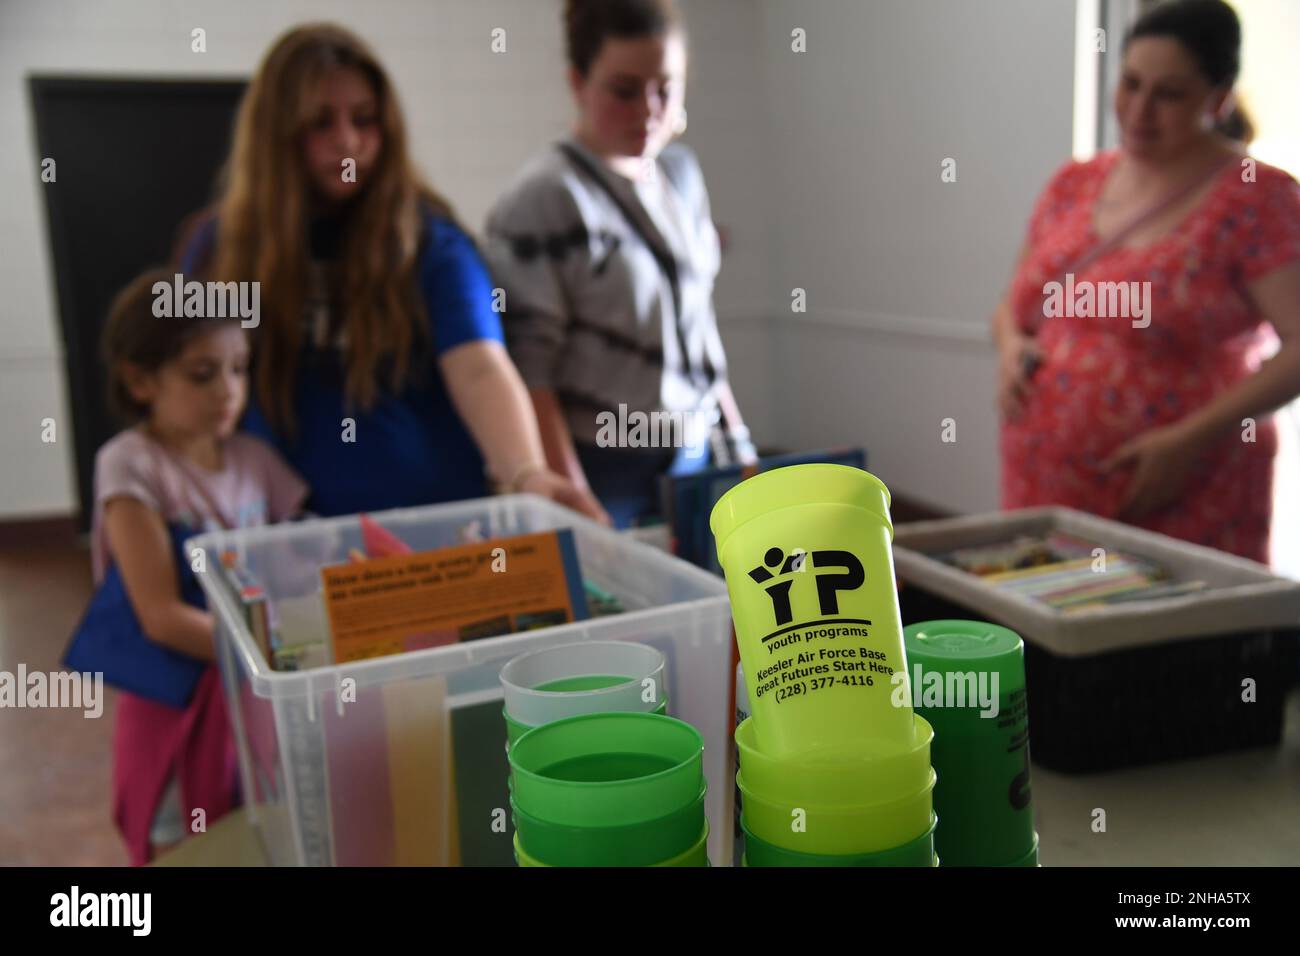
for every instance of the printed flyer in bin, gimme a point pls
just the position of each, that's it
(408, 602)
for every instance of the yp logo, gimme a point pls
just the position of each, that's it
(828, 585)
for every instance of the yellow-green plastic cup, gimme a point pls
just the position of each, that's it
(637, 844)
(806, 553)
(918, 852)
(866, 775)
(697, 855)
(846, 830)
(521, 855)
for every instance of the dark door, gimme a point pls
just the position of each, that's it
(134, 159)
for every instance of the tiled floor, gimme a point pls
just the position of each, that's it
(54, 764)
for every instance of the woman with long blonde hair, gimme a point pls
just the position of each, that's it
(379, 369)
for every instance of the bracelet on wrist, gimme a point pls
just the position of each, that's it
(521, 474)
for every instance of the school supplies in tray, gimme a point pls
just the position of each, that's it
(252, 602)
(1022, 551)
(1150, 673)
(1067, 573)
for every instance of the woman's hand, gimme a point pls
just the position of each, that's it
(563, 491)
(495, 406)
(1162, 459)
(1017, 354)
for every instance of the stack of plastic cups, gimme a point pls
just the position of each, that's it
(834, 765)
(587, 677)
(981, 746)
(742, 715)
(619, 789)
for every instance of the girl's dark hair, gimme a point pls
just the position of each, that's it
(588, 23)
(134, 335)
(1208, 30)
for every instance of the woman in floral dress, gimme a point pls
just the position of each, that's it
(1157, 416)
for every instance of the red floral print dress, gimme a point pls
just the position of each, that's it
(1103, 381)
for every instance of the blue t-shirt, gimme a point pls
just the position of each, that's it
(410, 448)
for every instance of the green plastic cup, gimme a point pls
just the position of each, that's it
(844, 830)
(868, 774)
(1029, 859)
(918, 852)
(522, 857)
(584, 677)
(515, 730)
(806, 553)
(607, 769)
(982, 758)
(635, 844)
(696, 855)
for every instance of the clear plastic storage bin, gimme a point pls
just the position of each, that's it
(413, 771)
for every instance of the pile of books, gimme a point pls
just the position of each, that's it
(1068, 573)
(258, 615)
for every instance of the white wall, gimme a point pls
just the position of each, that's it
(727, 102)
(1270, 75)
(902, 270)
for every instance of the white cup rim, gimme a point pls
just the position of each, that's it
(521, 676)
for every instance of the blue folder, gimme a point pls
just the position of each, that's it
(687, 500)
(110, 640)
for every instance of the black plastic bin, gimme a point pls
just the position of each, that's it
(1169, 682)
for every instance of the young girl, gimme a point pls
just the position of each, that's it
(181, 384)
(380, 371)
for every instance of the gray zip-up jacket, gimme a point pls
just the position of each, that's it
(589, 310)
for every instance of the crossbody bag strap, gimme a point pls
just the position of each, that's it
(638, 221)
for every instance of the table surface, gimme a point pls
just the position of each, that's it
(231, 841)
(1238, 809)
